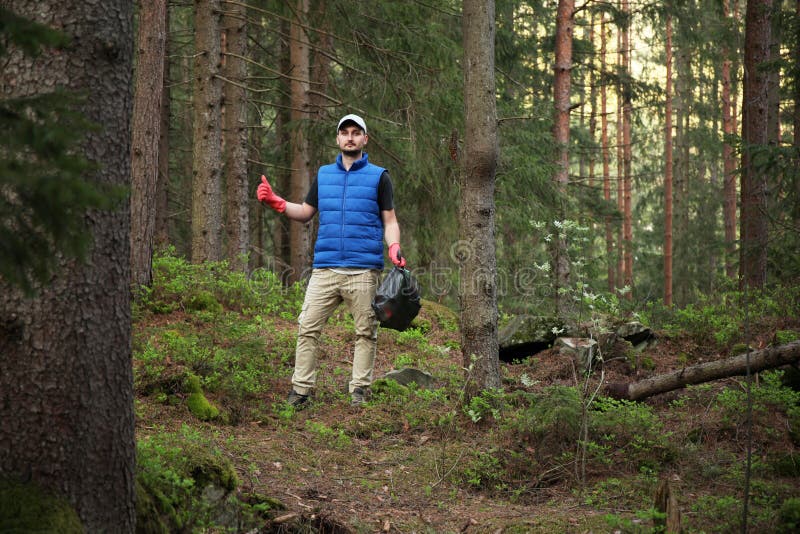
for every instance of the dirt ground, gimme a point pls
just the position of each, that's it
(385, 468)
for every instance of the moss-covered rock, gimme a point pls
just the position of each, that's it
(27, 508)
(181, 483)
(197, 402)
(203, 300)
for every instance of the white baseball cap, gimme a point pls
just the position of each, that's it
(352, 118)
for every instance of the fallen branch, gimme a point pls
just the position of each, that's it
(768, 358)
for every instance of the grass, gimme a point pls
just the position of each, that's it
(540, 454)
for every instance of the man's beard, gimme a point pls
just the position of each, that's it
(351, 153)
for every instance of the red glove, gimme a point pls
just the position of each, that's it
(395, 256)
(265, 194)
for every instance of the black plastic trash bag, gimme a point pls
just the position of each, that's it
(396, 302)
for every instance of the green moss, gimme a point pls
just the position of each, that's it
(444, 316)
(172, 474)
(786, 336)
(197, 402)
(27, 508)
(739, 348)
(789, 515)
(148, 518)
(206, 468)
(203, 301)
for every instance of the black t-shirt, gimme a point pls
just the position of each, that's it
(385, 193)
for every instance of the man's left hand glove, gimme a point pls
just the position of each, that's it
(395, 255)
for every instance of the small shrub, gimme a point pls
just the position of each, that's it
(789, 516)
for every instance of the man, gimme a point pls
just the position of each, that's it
(355, 202)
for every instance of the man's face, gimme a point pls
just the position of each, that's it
(351, 139)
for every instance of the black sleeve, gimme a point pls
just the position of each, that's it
(385, 193)
(312, 197)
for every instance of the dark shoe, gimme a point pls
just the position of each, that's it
(359, 396)
(296, 399)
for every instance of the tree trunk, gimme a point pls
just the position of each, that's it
(768, 358)
(145, 139)
(478, 268)
(162, 184)
(606, 158)
(561, 90)
(207, 135)
(282, 174)
(796, 131)
(754, 231)
(728, 162)
(668, 170)
(299, 233)
(66, 386)
(627, 154)
(237, 224)
(620, 264)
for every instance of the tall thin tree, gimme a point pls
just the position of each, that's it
(477, 255)
(146, 133)
(162, 184)
(237, 190)
(299, 53)
(668, 167)
(562, 67)
(66, 386)
(207, 135)
(610, 264)
(728, 161)
(754, 229)
(627, 152)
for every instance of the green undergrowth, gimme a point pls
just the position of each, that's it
(548, 437)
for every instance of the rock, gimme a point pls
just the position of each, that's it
(582, 350)
(636, 333)
(526, 335)
(408, 375)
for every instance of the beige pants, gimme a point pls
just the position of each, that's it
(326, 290)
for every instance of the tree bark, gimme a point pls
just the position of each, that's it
(668, 169)
(606, 158)
(796, 93)
(697, 374)
(728, 161)
(66, 386)
(162, 184)
(237, 224)
(207, 135)
(754, 230)
(627, 155)
(561, 92)
(145, 139)
(477, 259)
(299, 53)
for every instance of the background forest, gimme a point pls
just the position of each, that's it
(647, 169)
(399, 65)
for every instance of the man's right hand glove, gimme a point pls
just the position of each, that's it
(265, 194)
(395, 256)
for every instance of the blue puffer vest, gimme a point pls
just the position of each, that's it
(350, 225)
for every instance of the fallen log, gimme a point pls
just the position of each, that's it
(760, 360)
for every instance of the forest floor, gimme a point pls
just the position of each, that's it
(415, 461)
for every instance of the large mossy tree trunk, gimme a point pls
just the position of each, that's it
(66, 379)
